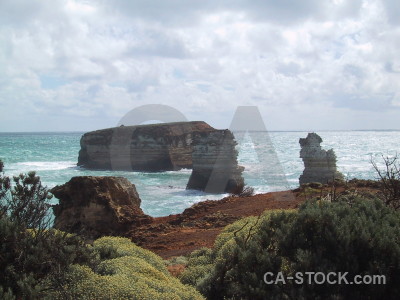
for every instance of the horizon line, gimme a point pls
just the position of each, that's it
(275, 130)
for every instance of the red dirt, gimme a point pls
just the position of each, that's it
(199, 225)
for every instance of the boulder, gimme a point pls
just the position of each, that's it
(215, 166)
(94, 206)
(154, 147)
(319, 164)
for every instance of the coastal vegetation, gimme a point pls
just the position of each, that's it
(358, 235)
(39, 262)
(355, 232)
(123, 271)
(33, 257)
(389, 178)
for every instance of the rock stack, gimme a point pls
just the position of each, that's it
(319, 164)
(94, 206)
(215, 166)
(155, 147)
(209, 152)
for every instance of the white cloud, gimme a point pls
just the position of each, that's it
(304, 61)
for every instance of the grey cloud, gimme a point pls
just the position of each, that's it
(292, 11)
(93, 90)
(284, 11)
(188, 13)
(346, 9)
(266, 38)
(140, 84)
(207, 56)
(390, 67)
(378, 102)
(289, 69)
(159, 43)
(393, 10)
(353, 70)
(172, 12)
(18, 13)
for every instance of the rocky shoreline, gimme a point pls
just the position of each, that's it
(97, 206)
(199, 225)
(173, 235)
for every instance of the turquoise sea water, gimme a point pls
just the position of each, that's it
(54, 157)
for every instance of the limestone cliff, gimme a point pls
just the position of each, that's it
(215, 166)
(94, 206)
(155, 147)
(209, 152)
(319, 164)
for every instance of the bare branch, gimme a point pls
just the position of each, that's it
(389, 178)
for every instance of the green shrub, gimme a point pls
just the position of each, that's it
(41, 263)
(206, 266)
(125, 271)
(33, 257)
(32, 262)
(113, 247)
(177, 260)
(6, 295)
(25, 201)
(200, 263)
(361, 236)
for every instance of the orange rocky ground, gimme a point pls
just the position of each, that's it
(199, 225)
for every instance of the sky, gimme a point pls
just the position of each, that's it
(81, 65)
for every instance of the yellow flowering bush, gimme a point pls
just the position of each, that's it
(125, 271)
(112, 247)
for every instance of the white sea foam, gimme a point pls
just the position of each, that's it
(42, 165)
(165, 193)
(182, 171)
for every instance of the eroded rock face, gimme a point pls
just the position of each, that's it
(96, 206)
(215, 166)
(155, 147)
(319, 164)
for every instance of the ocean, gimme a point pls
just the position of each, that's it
(54, 156)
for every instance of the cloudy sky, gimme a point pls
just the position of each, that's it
(78, 65)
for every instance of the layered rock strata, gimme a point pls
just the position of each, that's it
(215, 166)
(96, 206)
(155, 147)
(319, 164)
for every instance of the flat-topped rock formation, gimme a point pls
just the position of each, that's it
(196, 145)
(319, 164)
(215, 166)
(155, 147)
(94, 206)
